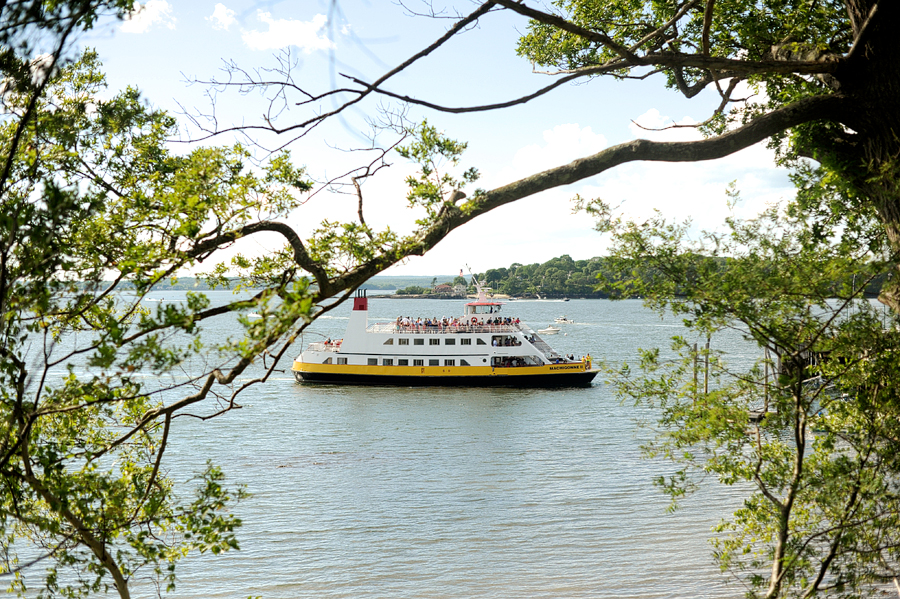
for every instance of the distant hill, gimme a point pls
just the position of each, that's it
(558, 277)
(377, 283)
(389, 282)
(565, 277)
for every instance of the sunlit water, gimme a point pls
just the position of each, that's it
(369, 492)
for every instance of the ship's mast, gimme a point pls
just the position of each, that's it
(479, 288)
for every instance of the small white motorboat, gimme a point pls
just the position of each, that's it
(564, 320)
(550, 330)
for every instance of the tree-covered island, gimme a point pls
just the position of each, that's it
(595, 277)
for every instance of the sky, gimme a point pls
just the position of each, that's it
(168, 48)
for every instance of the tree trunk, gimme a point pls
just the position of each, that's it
(870, 158)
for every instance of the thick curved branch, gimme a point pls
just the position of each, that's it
(301, 256)
(820, 107)
(642, 150)
(809, 109)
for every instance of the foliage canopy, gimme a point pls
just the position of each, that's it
(819, 456)
(97, 210)
(91, 192)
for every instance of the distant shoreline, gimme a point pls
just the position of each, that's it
(496, 296)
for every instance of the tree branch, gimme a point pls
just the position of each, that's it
(159, 454)
(803, 111)
(673, 59)
(662, 28)
(30, 108)
(85, 534)
(707, 23)
(301, 256)
(560, 23)
(862, 36)
(723, 68)
(642, 150)
(482, 108)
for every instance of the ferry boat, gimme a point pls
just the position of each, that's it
(480, 349)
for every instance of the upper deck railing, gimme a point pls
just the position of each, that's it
(442, 329)
(544, 348)
(322, 346)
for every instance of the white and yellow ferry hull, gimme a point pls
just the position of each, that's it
(548, 375)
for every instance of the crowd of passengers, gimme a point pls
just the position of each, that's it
(407, 322)
(510, 362)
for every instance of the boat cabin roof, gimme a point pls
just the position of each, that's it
(482, 306)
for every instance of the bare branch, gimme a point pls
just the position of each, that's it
(723, 67)
(307, 124)
(716, 68)
(486, 107)
(559, 22)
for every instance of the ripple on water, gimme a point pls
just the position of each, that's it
(456, 493)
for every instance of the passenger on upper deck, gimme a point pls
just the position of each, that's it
(452, 324)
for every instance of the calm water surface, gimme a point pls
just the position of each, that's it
(455, 493)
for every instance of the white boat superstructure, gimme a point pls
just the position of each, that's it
(480, 348)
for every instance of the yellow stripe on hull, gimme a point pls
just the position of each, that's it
(437, 371)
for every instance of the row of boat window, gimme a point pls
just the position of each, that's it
(436, 341)
(403, 362)
(416, 362)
